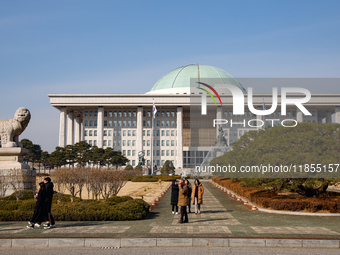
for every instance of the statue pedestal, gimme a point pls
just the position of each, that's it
(14, 173)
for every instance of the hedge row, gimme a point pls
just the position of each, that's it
(267, 199)
(154, 178)
(114, 208)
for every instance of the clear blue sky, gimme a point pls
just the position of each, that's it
(113, 47)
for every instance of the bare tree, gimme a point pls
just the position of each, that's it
(4, 185)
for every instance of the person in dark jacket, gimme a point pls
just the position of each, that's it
(189, 194)
(40, 211)
(174, 196)
(49, 195)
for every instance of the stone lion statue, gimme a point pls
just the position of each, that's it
(11, 129)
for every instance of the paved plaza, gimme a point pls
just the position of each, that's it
(220, 216)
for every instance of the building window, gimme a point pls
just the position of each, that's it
(163, 114)
(163, 132)
(129, 123)
(162, 153)
(133, 162)
(124, 114)
(158, 123)
(114, 133)
(157, 152)
(134, 114)
(114, 143)
(104, 143)
(110, 132)
(148, 123)
(114, 114)
(95, 114)
(105, 113)
(95, 133)
(143, 142)
(109, 143)
(124, 123)
(90, 133)
(172, 132)
(163, 142)
(110, 123)
(119, 142)
(167, 142)
(95, 123)
(85, 133)
(119, 114)
(91, 123)
(148, 132)
(172, 123)
(172, 142)
(133, 153)
(168, 133)
(149, 114)
(105, 132)
(90, 142)
(124, 142)
(158, 142)
(86, 113)
(119, 133)
(124, 152)
(86, 123)
(168, 153)
(91, 114)
(172, 153)
(148, 142)
(124, 132)
(95, 142)
(133, 142)
(134, 123)
(129, 132)
(115, 123)
(133, 132)
(128, 142)
(163, 123)
(158, 132)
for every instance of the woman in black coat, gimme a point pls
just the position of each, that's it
(40, 211)
(174, 196)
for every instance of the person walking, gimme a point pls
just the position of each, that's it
(189, 194)
(183, 201)
(49, 195)
(40, 210)
(197, 196)
(174, 197)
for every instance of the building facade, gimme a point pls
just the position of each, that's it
(178, 132)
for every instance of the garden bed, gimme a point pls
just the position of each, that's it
(287, 201)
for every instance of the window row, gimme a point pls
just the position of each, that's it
(160, 132)
(160, 143)
(160, 114)
(112, 113)
(158, 123)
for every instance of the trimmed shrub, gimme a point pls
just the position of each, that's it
(114, 208)
(25, 194)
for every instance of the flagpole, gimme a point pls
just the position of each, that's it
(152, 118)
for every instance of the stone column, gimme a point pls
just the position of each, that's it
(100, 124)
(70, 128)
(77, 138)
(328, 117)
(179, 137)
(337, 114)
(299, 115)
(139, 142)
(62, 127)
(218, 116)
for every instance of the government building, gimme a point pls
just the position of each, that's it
(179, 132)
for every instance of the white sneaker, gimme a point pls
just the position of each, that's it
(173, 212)
(176, 212)
(37, 225)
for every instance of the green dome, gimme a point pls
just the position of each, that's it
(180, 77)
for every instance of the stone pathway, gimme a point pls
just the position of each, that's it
(220, 216)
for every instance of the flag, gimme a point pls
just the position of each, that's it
(154, 110)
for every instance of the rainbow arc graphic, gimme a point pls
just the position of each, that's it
(209, 93)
